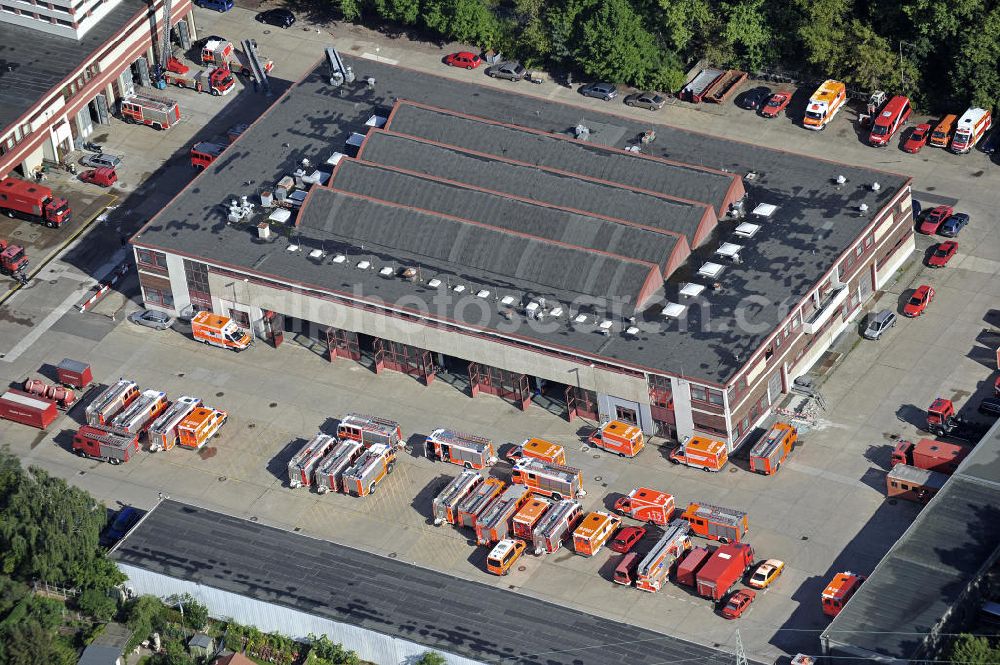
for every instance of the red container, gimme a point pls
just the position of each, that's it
(723, 570)
(74, 373)
(27, 409)
(692, 563)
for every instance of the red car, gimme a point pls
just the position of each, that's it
(935, 218)
(918, 302)
(463, 59)
(942, 254)
(738, 603)
(775, 104)
(103, 177)
(918, 138)
(626, 538)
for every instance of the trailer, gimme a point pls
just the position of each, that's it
(929, 454)
(199, 426)
(528, 517)
(701, 84)
(20, 407)
(74, 373)
(156, 112)
(468, 450)
(110, 402)
(477, 500)
(444, 508)
(593, 532)
(723, 570)
(374, 464)
(555, 480)
(162, 433)
(494, 523)
(647, 505)
(619, 438)
(143, 410)
(724, 86)
(370, 430)
(329, 475)
(727, 525)
(687, 569)
(654, 570)
(300, 467)
(556, 526)
(105, 443)
(63, 397)
(772, 450)
(538, 449)
(913, 483)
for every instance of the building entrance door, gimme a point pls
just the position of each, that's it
(626, 415)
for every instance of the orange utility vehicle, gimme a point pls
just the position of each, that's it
(555, 480)
(727, 525)
(593, 531)
(476, 501)
(493, 524)
(140, 414)
(701, 453)
(219, 330)
(162, 433)
(370, 430)
(503, 556)
(839, 591)
(556, 526)
(538, 449)
(445, 505)
(199, 426)
(111, 402)
(619, 438)
(528, 517)
(654, 570)
(647, 505)
(929, 454)
(772, 450)
(468, 450)
(372, 467)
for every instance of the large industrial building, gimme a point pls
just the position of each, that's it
(539, 251)
(66, 64)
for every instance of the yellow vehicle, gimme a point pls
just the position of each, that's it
(504, 554)
(766, 573)
(941, 136)
(824, 104)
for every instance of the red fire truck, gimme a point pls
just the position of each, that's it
(218, 81)
(33, 202)
(157, 112)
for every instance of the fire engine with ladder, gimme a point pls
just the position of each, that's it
(329, 474)
(555, 480)
(493, 524)
(300, 467)
(372, 467)
(556, 526)
(114, 398)
(141, 412)
(445, 505)
(476, 501)
(468, 450)
(727, 525)
(370, 430)
(654, 569)
(162, 434)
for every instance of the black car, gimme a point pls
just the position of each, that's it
(600, 90)
(279, 17)
(990, 143)
(754, 99)
(512, 70)
(646, 100)
(990, 407)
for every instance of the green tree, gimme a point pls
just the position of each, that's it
(823, 30)
(469, 21)
(681, 21)
(977, 69)
(332, 652)
(143, 615)
(870, 63)
(30, 643)
(973, 650)
(528, 30)
(561, 26)
(195, 613)
(174, 653)
(350, 9)
(746, 31)
(431, 658)
(98, 604)
(942, 19)
(399, 11)
(614, 45)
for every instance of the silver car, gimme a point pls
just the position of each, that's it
(512, 70)
(151, 319)
(101, 159)
(878, 323)
(646, 100)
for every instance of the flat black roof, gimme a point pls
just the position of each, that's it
(386, 595)
(33, 62)
(816, 219)
(400, 236)
(953, 541)
(505, 211)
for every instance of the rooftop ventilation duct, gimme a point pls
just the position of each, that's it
(841, 180)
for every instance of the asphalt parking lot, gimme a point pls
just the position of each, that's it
(823, 513)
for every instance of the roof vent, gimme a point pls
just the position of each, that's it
(632, 331)
(507, 300)
(364, 265)
(409, 273)
(764, 210)
(605, 326)
(556, 311)
(532, 308)
(459, 288)
(840, 180)
(387, 271)
(691, 290)
(339, 258)
(710, 270)
(580, 318)
(863, 208)
(292, 248)
(730, 250)
(482, 293)
(673, 310)
(752, 175)
(305, 162)
(876, 186)
(582, 132)
(434, 283)
(316, 254)
(747, 230)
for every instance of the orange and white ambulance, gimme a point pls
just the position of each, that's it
(219, 330)
(647, 505)
(595, 530)
(555, 480)
(701, 453)
(538, 449)
(199, 426)
(529, 516)
(619, 438)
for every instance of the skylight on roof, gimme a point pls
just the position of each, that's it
(710, 270)
(459, 288)
(692, 290)
(580, 318)
(316, 254)
(507, 300)
(364, 265)
(292, 248)
(764, 209)
(483, 293)
(747, 230)
(531, 306)
(387, 271)
(606, 324)
(632, 330)
(339, 258)
(556, 311)
(673, 310)
(729, 250)
(434, 283)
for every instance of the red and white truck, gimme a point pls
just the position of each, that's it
(494, 523)
(370, 430)
(163, 433)
(302, 464)
(929, 454)
(33, 202)
(217, 81)
(723, 570)
(839, 591)
(155, 112)
(727, 525)
(372, 467)
(647, 505)
(687, 569)
(444, 507)
(468, 450)
(476, 501)
(329, 474)
(105, 443)
(556, 526)
(204, 153)
(654, 570)
(971, 127)
(141, 413)
(111, 402)
(555, 480)
(529, 516)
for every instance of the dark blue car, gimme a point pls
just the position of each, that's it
(126, 519)
(954, 225)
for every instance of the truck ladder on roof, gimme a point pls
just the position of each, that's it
(165, 45)
(720, 514)
(256, 68)
(673, 540)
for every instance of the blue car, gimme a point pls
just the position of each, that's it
(126, 519)
(954, 224)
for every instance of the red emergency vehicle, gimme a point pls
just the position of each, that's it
(839, 591)
(204, 153)
(33, 202)
(894, 114)
(156, 112)
(647, 505)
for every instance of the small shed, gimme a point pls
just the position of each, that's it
(107, 647)
(201, 645)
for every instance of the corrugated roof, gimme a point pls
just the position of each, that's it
(502, 211)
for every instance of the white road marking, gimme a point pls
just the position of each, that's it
(379, 58)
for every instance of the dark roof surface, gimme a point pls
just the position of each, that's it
(954, 538)
(410, 237)
(386, 595)
(816, 220)
(503, 211)
(41, 61)
(557, 152)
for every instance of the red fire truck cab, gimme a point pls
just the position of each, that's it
(157, 112)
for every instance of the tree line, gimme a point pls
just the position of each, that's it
(943, 54)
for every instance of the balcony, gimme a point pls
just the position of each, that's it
(821, 316)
